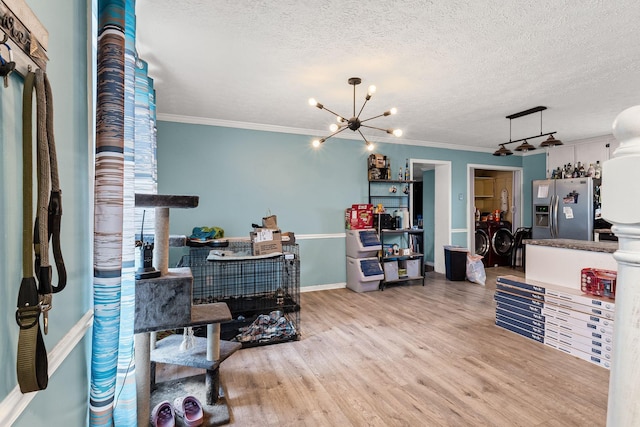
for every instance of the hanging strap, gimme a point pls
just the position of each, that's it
(34, 297)
(49, 209)
(55, 199)
(32, 364)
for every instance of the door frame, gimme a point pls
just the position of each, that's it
(516, 199)
(442, 198)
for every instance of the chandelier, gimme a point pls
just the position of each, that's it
(354, 123)
(525, 146)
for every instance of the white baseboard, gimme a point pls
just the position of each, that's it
(325, 287)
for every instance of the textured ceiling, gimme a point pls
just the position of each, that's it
(454, 69)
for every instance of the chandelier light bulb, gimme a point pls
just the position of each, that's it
(394, 110)
(397, 132)
(370, 146)
(372, 90)
(315, 143)
(340, 119)
(334, 127)
(313, 102)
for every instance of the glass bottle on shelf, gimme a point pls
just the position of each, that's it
(406, 170)
(591, 170)
(598, 170)
(400, 174)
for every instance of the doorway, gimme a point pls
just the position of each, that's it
(493, 188)
(435, 176)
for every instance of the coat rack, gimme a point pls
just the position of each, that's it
(27, 37)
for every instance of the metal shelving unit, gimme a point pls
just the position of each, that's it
(398, 268)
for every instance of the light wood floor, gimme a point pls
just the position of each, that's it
(411, 356)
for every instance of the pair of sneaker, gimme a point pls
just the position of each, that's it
(188, 408)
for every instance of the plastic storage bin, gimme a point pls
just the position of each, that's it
(455, 262)
(364, 274)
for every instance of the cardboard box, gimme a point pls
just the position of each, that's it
(377, 161)
(291, 238)
(347, 219)
(266, 241)
(361, 216)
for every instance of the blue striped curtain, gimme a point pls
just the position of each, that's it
(124, 101)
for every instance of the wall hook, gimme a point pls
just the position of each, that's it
(5, 39)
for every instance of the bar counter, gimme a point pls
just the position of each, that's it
(560, 261)
(582, 245)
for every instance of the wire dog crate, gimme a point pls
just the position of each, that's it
(263, 293)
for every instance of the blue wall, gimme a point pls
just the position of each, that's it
(240, 175)
(64, 402)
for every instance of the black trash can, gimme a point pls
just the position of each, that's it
(455, 262)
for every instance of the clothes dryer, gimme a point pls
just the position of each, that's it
(483, 243)
(501, 239)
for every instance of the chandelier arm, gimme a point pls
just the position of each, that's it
(361, 108)
(365, 139)
(332, 112)
(336, 132)
(371, 118)
(373, 127)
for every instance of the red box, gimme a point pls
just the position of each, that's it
(598, 282)
(361, 216)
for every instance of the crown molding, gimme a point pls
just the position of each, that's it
(314, 132)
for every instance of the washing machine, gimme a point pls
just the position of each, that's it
(501, 243)
(483, 243)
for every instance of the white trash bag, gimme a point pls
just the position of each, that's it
(475, 269)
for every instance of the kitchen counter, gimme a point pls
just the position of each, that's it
(582, 245)
(560, 261)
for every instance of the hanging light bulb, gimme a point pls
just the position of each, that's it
(370, 145)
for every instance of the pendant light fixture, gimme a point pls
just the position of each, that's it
(551, 142)
(354, 123)
(503, 151)
(525, 146)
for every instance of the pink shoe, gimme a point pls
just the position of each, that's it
(162, 415)
(189, 409)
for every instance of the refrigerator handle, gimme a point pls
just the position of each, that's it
(555, 216)
(551, 203)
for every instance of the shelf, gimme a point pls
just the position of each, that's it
(414, 255)
(168, 351)
(402, 231)
(392, 181)
(403, 279)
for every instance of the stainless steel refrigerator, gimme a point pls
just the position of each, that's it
(563, 209)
